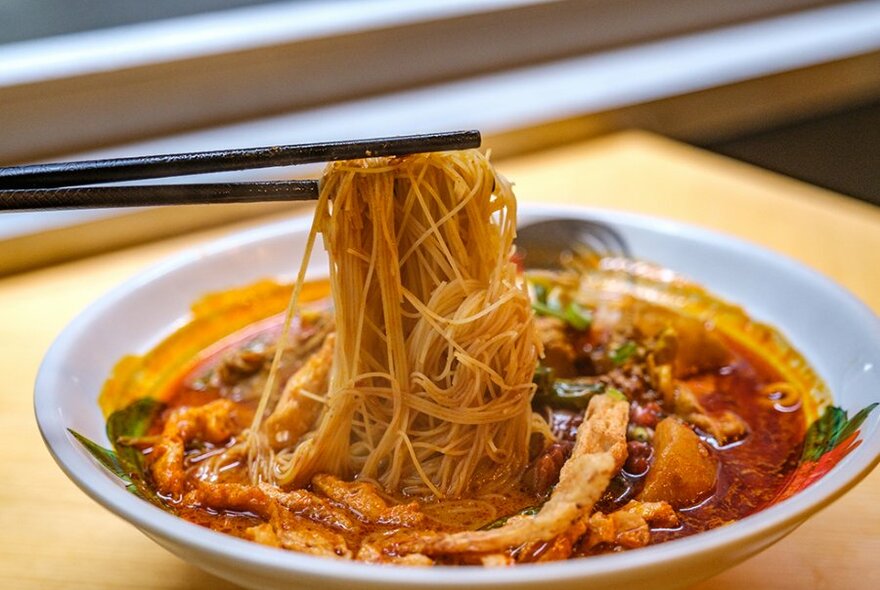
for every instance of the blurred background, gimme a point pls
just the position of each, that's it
(789, 85)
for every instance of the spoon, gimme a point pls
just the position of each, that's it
(544, 242)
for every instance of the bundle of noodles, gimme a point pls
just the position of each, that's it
(431, 380)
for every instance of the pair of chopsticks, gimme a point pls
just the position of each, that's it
(62, 185)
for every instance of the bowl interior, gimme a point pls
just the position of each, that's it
(836, 333)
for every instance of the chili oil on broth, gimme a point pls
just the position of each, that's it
(404, 425)
(754, 470)
(751, 471)
(761, 371)
(399, 427)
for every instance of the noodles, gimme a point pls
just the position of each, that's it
(431, 381)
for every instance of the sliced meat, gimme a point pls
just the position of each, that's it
(725, 427)
(556, 549)
(299, 521)
(372, 550)
(241, 375)
(619, 529)
(309, 505)
(629, 527)
(302, 534)
(689, 344)
(656, 514)
(366, 503)
(215, 422)
(603, 430)
(242, 363)
(296, 411)
(230, 496)
(599, 452)
(263, 534)
(543, 472)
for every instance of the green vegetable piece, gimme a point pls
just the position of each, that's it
(623, 352)
(563, 393)
(578, 317)
(545, 309)
(540, 293)
(500, 522)
(127, 463)
(575, 396)
(132, 421)
(105, 457)
(641, 434)
(615, 393)
(574, 315)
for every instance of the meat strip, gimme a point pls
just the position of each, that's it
(296, 413)
(599, 453)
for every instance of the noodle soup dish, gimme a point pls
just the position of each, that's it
(417, 396)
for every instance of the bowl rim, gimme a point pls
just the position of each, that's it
(156, 523)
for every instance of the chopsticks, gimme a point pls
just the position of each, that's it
(93, 197)
(57, 185)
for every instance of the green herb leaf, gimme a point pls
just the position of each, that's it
(623, 352)
(530, 511)
(573, 314)
(545, 309)
(578, 317)
(125, 462)
(110, 460)
(105, 457)
(132, 421)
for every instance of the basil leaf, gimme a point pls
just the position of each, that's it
(126, 462)
(105, 457)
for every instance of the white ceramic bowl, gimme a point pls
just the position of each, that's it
(836, 333)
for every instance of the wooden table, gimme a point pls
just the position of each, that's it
(53, 536)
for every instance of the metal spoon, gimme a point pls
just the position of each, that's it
(542, 243)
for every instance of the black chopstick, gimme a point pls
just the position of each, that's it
(90, 197)
(122, 169)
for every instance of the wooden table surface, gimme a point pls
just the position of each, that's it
(53, 536)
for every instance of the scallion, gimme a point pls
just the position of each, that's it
(623, 352)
